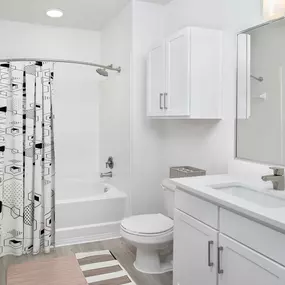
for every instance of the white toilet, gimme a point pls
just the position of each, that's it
(150, 234)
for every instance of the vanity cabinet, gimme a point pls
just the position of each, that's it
(195, 251)
(241, 265)
(184, 75)
(232, 250)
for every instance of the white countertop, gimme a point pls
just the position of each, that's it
(200, 187)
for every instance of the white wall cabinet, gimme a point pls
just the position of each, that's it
(156, 84)
(185, 75)
(205, 255)
(195, 251)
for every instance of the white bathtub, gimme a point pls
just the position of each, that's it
(77, 189)
(93, 212)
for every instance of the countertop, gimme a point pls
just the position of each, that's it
(200, 187)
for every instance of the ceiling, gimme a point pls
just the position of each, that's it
(163, 2)
(81, 14)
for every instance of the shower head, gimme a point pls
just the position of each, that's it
(102, 72)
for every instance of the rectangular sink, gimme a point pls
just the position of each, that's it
(250, 195)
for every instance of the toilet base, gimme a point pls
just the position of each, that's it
(148, 261)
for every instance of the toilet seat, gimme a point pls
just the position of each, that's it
(152, 235)
(149, 234)
(148, 225)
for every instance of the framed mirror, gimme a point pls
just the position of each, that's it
(260, 124)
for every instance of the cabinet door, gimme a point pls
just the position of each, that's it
(177, 97)
(241, 265)
(195, 252)
(156, 81)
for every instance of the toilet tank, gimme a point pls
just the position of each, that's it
(168, 196)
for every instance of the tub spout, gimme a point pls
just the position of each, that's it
(107, 174)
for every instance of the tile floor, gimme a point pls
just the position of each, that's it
(122, 252)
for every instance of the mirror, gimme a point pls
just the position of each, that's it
(260, 101)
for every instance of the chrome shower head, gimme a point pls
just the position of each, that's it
(102, 72)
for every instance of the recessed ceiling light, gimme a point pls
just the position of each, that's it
(54, 13)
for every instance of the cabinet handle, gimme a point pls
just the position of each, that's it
(210, 263)
(160, 101)
(165, 101)
(220, 250)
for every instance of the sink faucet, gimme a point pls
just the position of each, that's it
(107, 174)
(277, 179)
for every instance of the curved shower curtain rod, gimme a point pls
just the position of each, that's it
(108, 67)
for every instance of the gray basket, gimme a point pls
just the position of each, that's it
(186, 171)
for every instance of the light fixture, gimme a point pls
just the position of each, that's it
(54, 13)
(273, 9)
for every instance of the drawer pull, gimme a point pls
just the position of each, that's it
(165, 101)
(160, 101)
(210, 263)
(220, 250)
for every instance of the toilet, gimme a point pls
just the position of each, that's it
(151, 234)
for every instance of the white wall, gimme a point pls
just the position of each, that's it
(161, 144)
(76, 93)
(115, 133)
(143, 148)
(209, 144)
(147, 135)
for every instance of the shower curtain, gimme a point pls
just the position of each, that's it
(27, 159)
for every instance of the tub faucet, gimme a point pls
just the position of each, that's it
(107, 174)
(277, 179)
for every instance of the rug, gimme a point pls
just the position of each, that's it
(102, 268)
(49, 271)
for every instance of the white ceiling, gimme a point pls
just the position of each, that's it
(81, 14)
(163, 2)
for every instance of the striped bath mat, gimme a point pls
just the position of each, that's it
(102, 268)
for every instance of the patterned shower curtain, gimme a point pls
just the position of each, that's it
(27, 160)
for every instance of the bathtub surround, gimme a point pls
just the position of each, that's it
(78, 172)
(27, 162)
(114, 117)
(75, 86)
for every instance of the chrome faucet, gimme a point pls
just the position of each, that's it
(107, 174)
(277, 179)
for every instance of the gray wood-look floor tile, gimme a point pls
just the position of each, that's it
(124, 254)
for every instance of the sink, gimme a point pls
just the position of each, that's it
(250, 195)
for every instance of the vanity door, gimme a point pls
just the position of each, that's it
(195, 252)
(238, 265)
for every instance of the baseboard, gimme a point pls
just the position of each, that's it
(85, 234)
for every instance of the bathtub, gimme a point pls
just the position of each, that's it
(92, 212)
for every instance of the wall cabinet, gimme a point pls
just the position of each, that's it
(184, 77)
(156, 73)
(205, 255)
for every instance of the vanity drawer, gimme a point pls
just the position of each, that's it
(258, 237)
(199, 209)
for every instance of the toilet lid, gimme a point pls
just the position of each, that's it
(148, 224)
